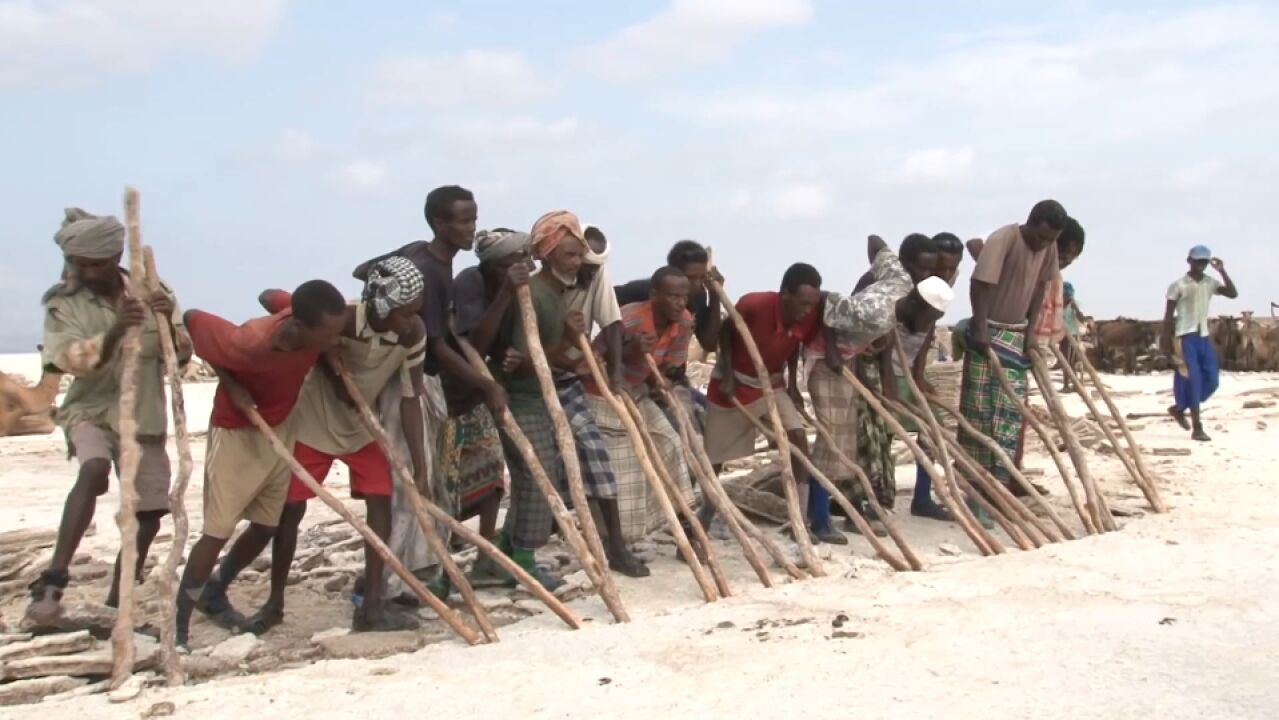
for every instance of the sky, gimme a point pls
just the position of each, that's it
(273, 142)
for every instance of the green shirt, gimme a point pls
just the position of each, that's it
(551, 309)
(75, 326)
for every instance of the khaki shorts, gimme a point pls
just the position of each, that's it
(731, 435)
(244, 478)
(91, 442)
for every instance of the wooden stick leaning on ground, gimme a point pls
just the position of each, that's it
(1156, 502)
(563, 517)
(881, 550)
(1087, 507)
(712, 492)
(568, 452)
(650, 472)
(170, 658)
(1123, 454)
(1002, 456)
(973, 481)
(970, 526)
(416, 500)
(425, 510)
(1045, 436)
(449, 617)
(889, 524)
(789, 481)
(123, 651)
(1096, 501)
(677, 500)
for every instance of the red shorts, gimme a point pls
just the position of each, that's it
(370, 472)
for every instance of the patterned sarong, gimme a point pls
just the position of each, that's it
(470, 453)
(875, 448)
(835, 407)
(984, 403)
(636, 503)
(592, 450)
(529, 519)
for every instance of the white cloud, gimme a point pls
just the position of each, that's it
(690, 32)
(935, 166)
(294, 144)
(360, 176)
(64, 43)
(804, 201)
(472, 79)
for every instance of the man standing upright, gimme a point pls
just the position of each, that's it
(86, 317)
(1185, 335)
(1015, 266)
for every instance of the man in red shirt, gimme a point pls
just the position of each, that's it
(780, 323)
(260, 364)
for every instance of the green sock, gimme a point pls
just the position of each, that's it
(524, 558)
(504, 542)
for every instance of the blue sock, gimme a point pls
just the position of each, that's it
(818, 506)
(923, 486)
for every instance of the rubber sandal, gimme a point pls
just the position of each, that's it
(932, 511)
(383, 622)
(261, 622)
(629, 565)
(46, 598)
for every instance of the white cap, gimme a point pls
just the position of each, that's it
(936, 292)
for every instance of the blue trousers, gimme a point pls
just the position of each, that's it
(1204, 375)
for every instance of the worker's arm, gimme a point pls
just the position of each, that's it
(708, 336)
(979, 294)
(414, 427)
(724, 363)
(1228, 289)
(1170, 308)
(921, 361)
(485, 331)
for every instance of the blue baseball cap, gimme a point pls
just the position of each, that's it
(1200, 252)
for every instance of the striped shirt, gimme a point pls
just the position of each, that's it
(1192, 298)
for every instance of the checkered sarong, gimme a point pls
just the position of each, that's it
(529, 519)
(636, 503)
(592, 450)
(834, 407)
(984, 404)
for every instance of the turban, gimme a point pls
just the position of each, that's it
(936, 292)
(393, 282)
(497, 244)
(592, 257)
(89, 236)
(552, 229)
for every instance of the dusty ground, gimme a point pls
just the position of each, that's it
(1172, 617)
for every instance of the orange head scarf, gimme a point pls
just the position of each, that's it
(554, 228)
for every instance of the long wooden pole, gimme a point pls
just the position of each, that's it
(676, 494)
(1081, 507)
(1091, 507)
(881, 550)
(985, 544)
(712, 493)
(1156, 502)
(789, 481)
(568, 449)
(123, 651)
(650, 473)
(563, 517)
(981, 488)
(171, 659)
(1125, 459)
(1008, 463)
(448, 616)
(889, 524)
(415, 501)
(426, 511)
(1097, 502)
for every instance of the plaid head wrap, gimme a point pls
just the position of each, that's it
(393, 282)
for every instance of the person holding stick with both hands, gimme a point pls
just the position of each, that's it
(1185, 337)
(87, 315)
(260, 364)
(383, 335)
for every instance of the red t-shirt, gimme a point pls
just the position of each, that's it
(762, 312)
(274, 378)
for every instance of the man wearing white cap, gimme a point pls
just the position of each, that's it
(1186, 336)
(917, 315)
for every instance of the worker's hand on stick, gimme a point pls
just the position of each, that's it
(576, 323)
(161, 304)
(131, 314)
(513, 360)
(495, 397)
(517, 275)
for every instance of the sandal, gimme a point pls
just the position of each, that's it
(381, 621)
(267, 617)
(215, 604)
(628, 565)
(932, 511)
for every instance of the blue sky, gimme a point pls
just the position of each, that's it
(277, 141)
